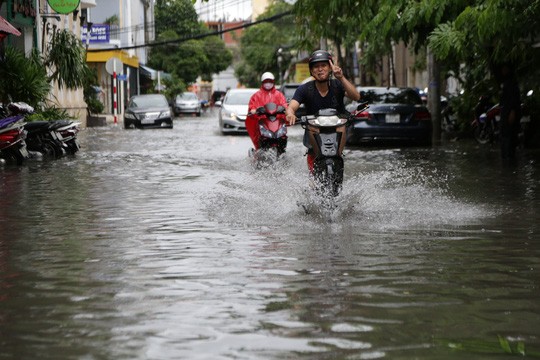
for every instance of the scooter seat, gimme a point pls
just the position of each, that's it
(37, 125)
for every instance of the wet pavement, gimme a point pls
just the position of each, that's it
(167, 244)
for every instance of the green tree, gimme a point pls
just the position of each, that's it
(487, 33)
(319, 21)
(465, 38)
(176, 15)
(259, 45)
(185, 58)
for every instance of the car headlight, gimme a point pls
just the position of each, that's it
(166, 113)
(130, 116)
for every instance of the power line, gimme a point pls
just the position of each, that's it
(196, 37)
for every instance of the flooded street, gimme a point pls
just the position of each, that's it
(166, 244)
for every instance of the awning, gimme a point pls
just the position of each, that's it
(153, 74)
(148, 72)
(7, 29)
(103, 56)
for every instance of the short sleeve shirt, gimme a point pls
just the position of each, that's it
(308, 95)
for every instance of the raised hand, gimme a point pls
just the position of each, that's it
(338, 72)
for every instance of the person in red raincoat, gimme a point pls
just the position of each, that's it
(266, 94)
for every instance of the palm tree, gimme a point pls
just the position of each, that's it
(66, 59)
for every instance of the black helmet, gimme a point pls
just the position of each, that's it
(318, 56)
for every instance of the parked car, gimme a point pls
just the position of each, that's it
(394, 115)
(234, 109)
(288, 90)
(187, 103)
(147, 111)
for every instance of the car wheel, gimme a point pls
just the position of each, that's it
(127, 124)
(198, 114)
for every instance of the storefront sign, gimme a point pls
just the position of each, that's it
(64, 6)
(99, 33)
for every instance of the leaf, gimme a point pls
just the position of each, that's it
(505, 345)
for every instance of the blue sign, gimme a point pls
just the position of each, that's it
(99, 33)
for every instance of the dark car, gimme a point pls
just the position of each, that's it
(148, 111)
(288, 90)
(394, 115)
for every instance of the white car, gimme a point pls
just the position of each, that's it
(234, 109)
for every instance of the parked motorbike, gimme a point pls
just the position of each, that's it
(12, 133)
(486, 125)
(66, 132)
(52, 139)
(327, 136)
(448, 117)
(273, 135)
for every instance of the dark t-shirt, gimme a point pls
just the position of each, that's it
(308, 95)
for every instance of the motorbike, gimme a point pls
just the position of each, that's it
(486, 124)
(53, 139)
(66, 132)
(12, 134)
(327, 136)
(448, 116)
(273, 135)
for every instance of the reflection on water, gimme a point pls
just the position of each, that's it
(157, 245)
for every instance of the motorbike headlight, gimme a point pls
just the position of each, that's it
(327, 121)
(282, 131)
(265, 132)
(130, 116)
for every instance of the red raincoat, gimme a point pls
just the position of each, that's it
(261, 98)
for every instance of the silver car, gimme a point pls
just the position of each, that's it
(187, 103)
(234, 109)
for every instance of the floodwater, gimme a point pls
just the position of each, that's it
(167, 244)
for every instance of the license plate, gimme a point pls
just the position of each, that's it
(392, 118)
(147, 121)
(23, 152)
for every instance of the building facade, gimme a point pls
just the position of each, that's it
(108, 29)
(119, 29)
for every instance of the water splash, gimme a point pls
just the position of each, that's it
(394, 197)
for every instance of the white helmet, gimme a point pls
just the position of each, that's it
(267, 76)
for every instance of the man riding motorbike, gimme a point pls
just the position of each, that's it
(266, 94)
(321, 93)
